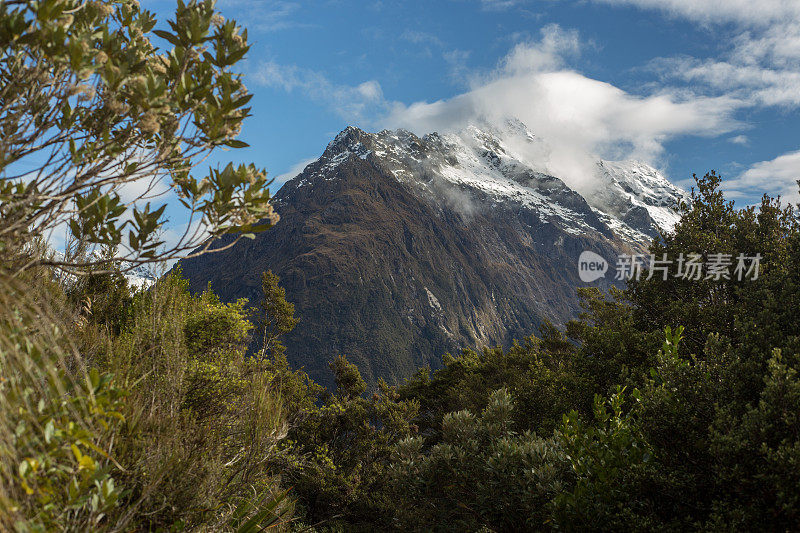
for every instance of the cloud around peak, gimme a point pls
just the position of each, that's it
(760, 67)
(580, 118)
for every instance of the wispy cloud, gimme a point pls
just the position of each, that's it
(296, 169)
(431, 45)
(501, 5)
(761, 85)
(745, 12)
(762, 59)
(421, 37)
(457, 63)
(352, 102)
(265, 15)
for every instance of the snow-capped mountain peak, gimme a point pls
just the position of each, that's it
(490, 164)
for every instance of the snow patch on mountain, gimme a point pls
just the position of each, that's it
(141, 277)
(644, 186)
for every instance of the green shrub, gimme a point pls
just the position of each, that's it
(202, 421)
(482, 474)
(58, 424)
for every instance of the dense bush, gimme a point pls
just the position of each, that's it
(337, 450)
(482, 474)
(168, 426)
(58, 422)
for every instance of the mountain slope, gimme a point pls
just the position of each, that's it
(396, 249)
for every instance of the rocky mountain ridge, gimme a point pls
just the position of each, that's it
(396, 248)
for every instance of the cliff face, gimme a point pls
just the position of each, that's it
(396, 249)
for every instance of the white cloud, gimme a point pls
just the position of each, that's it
(744, 12)
(578, 117)
(776, 177)
(143, 188)
(740, 139)
(264, 15)
(555, 46)
(778, 44)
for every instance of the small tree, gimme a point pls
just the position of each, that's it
(96, 122)
(277, 314)
(349, 383)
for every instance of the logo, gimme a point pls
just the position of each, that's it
(591, 266)
(687, 266)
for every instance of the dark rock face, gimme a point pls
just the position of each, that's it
(394, 266)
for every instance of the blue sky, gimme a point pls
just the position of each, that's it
(685, 85)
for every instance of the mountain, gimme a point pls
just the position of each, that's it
(141, 277)
(396, 249)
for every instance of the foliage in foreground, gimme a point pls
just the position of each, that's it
(101, 113)
(165, 425)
